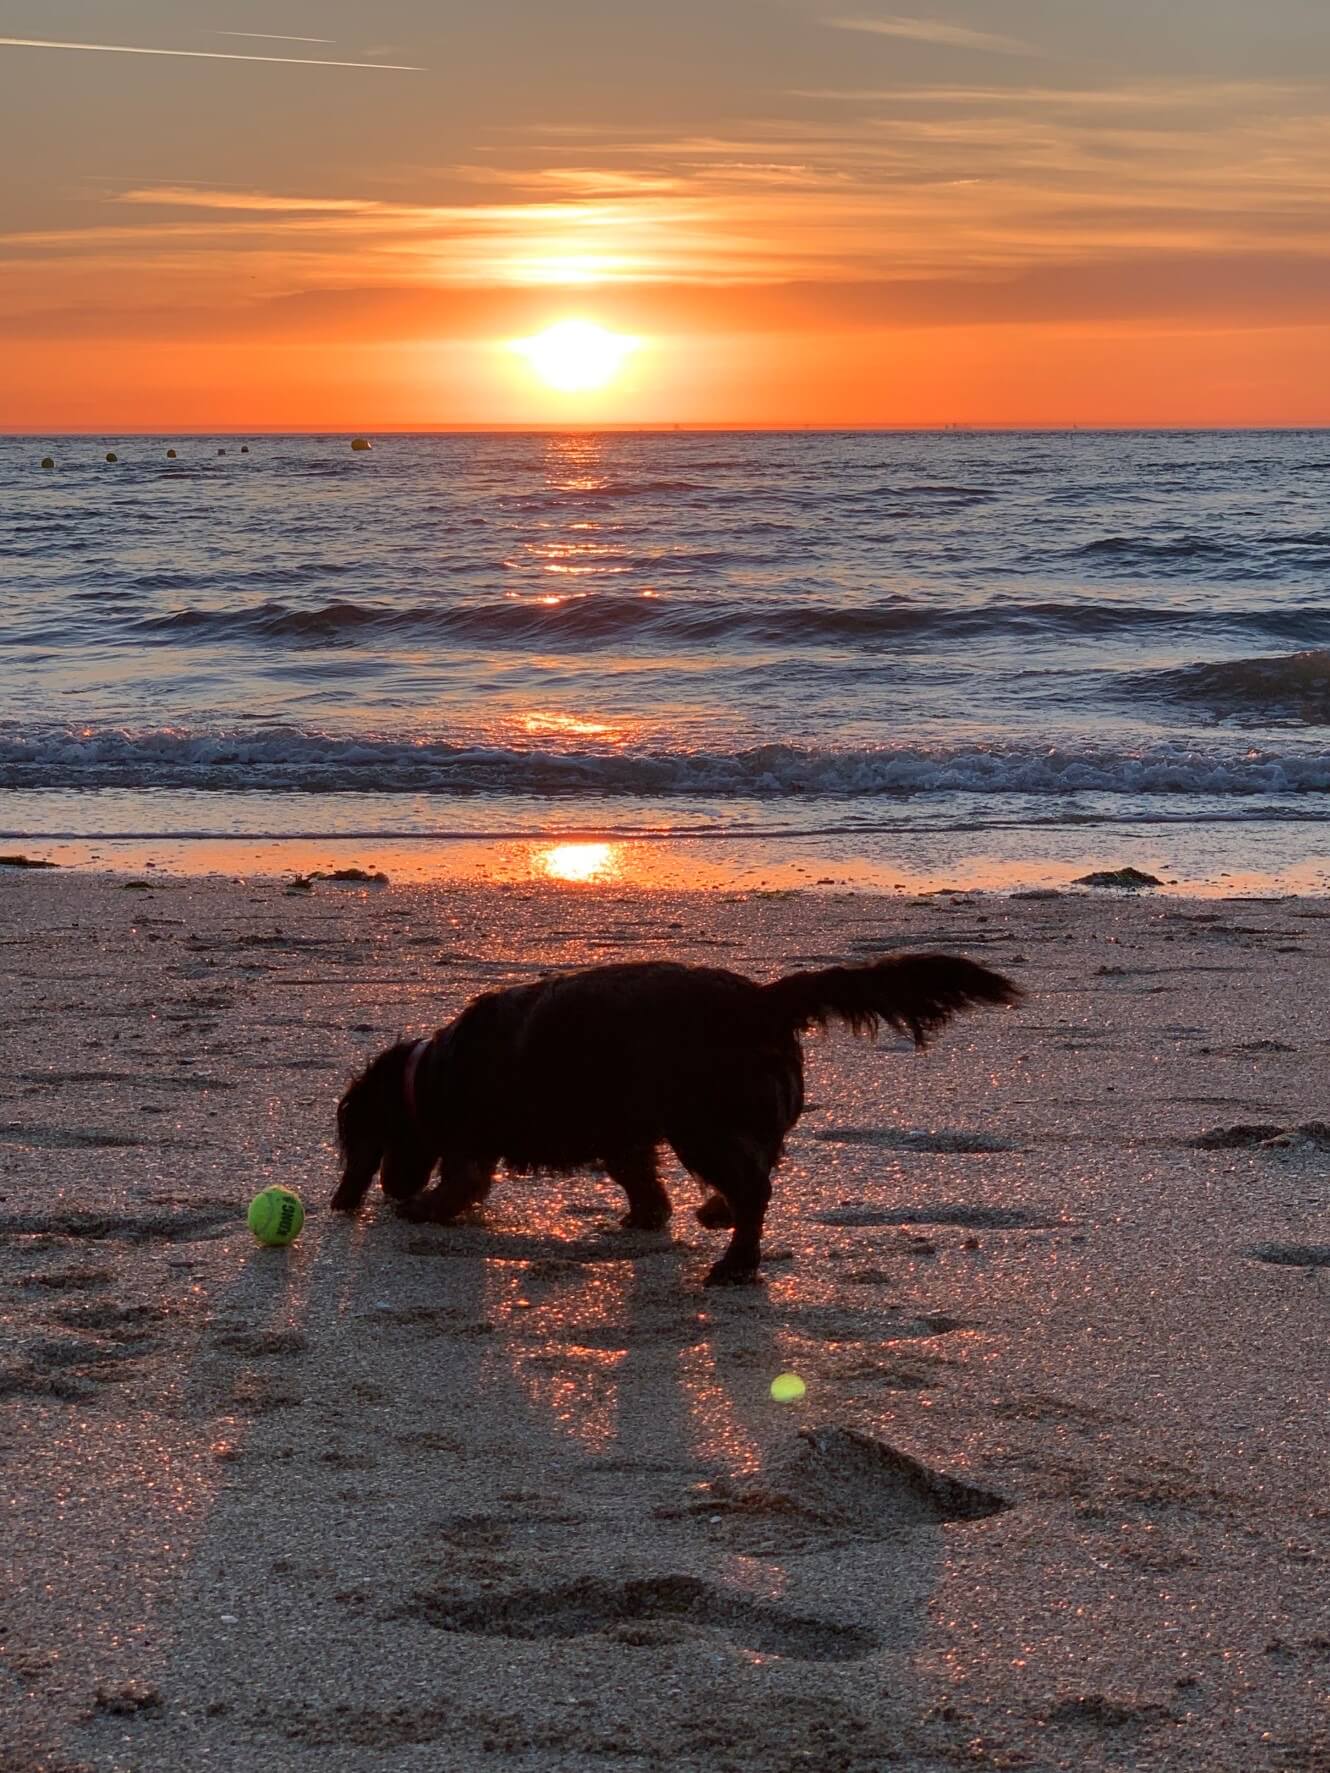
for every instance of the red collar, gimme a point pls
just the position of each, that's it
(417, 1053)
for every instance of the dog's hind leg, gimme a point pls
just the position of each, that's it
(715, 1213)
(462, 1184)
(648, 1204)
(739, 1173)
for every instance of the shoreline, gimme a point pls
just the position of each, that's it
(515, 1495)
(712, 862)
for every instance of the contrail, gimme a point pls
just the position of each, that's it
(206, 55)
(271, 37)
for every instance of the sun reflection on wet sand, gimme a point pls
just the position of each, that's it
(645, 860)
(718, 1433)
(589, 862)
(564, 1350)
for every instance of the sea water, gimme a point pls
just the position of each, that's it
(941, 644)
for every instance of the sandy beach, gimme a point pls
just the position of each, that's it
(514, 1494)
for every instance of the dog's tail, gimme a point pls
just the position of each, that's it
(916, 994)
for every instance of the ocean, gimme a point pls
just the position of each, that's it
(914, 647)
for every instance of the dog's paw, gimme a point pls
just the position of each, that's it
(416, 1208)
(653, 1221)
(715, 1213)
(345, 1202)
(724, 1274)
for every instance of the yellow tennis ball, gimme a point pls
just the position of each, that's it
(276, 1215)
(787, 1388)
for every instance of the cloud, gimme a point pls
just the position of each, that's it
(885, 213)
(1216, 291)
(252, 202)
(205, 55)
(933, 30)
(1165, 96)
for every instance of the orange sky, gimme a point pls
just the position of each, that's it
(994, 213)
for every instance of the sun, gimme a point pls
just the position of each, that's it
(574, 356)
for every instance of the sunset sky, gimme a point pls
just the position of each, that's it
(792, 211)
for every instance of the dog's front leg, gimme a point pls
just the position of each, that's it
(463, 1183)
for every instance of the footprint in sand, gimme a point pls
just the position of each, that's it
(1245, 1136)
(260, 1344)
(974, 1218)
(836, 1487)
(120, 1323)
(381, 1728)
(68, 1138)
(1292, 1255)
(901, 1139)
(70, 1367)
(1311, 1136)
(209, 1219)
(139, 1081)
(831, 1323)
(589, 1607)
(67, 1280)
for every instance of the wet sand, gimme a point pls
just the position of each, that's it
(514, 1494)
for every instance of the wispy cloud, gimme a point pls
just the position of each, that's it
(1165, 96)
(936, 30)
(250, 202)
(206, 55)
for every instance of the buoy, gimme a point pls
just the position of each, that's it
(244, 449)
(170, 455)
(361, 443)
(221, 452)
(48, 461)
(111, 456)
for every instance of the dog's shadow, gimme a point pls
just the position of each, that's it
(688, 1499)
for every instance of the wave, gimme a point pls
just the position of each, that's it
(1254, 558)
(292, 759)
(1289, 686)
(940, 489)
(613, 618)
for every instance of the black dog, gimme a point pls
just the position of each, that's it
(602, 1067)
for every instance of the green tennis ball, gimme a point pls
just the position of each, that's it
(787, 1388)
(276, 1215)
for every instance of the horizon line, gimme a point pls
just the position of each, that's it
(562, 427)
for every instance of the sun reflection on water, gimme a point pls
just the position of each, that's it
(566, 723)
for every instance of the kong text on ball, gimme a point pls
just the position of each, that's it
(276, 1215)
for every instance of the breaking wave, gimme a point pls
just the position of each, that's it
(292, 759)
